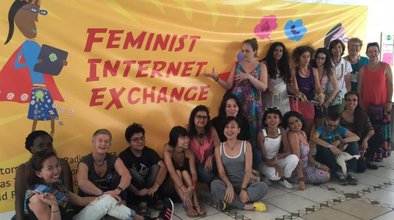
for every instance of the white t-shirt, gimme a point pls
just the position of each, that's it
(341, 70)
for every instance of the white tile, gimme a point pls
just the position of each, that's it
(273, 192)
(383, 172)
(271, 213)
(387, 216)
(317, 194)
(382, 196)
(289, 202)
(369, 179)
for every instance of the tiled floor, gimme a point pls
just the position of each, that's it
(372, 198)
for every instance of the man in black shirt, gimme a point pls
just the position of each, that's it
(147, 169)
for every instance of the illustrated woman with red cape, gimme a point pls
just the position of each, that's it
(18, 80)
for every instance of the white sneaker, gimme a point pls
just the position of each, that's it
(286, 184)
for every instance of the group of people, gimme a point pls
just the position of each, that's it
(263, 131)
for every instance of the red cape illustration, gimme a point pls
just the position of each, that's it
(16, 86)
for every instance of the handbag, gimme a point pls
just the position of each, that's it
(337, 100)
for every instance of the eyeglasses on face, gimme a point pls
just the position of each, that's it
(137, 139)
(270, 108)
(201, 117)
(36, 10)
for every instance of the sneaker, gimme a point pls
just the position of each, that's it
(286, 184)
(352, 178)
(341, 178)
(371, 166)
(167, 211)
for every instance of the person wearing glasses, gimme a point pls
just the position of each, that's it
(278, 68)
(147, 169)
(19, 82)
(308, 169)
(203, 139)
(331, 139)
(180, 162)
(278, 162)
(101, 172)
(357, 61)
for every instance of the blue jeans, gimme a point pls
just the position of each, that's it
(204, 176)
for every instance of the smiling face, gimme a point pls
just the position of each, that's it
(337, 50)
(247, 51)
(278, 53)
(231, 130)
(373, 53)
(26, 18)
(101, 143)
(183, 142)
(354, 48)
(51, 170)
(294, 123)
(351, 101)
(201, 119)
(231, 108)
(272, 120)
(137, 141)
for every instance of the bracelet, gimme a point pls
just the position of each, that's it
(216, 78)
(318, 165)
(119, 188)
(55, 211)
(243, 188)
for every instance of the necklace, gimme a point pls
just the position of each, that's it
(231, 147)
(99, 164)
(200, 135)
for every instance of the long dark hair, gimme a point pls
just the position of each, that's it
(271, 110)
(285, 122)
(192, 127)
(18, 4)
(35, 164)
(283, 62)
(222, 108)
(327, 66)
(359, 113)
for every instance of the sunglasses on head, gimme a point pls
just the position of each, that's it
(270, 108)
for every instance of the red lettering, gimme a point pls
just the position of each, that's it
(115, 98)
(108, 68)
(160, 42)
(173, 70)
(187, 67)
(112, 38)
(172, 44)
(150, 95)
(157, 67)
(129, 97)
(177, 94)
(127, 67)
(131, 41)
(142, 68)
(149, 41)
(181, 42)
(193, 43)
(200, 66)
(92, 37)
(162, 97)
(193, 96)
(95, 96)
(93, 70)
(203, 92)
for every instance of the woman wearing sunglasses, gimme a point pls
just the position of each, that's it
(278, 163)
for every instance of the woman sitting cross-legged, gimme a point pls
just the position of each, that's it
(48, 199)
(234, 163)
(308, 169)
(278, 162)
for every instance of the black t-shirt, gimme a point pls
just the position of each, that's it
(140, 164)
(218, 124)
(109, 181)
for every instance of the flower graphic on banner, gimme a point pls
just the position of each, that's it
(295, 30)
(266, 26)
